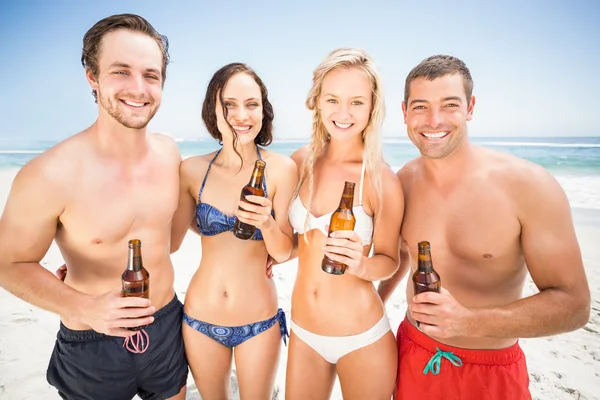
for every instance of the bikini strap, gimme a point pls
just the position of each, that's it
(264, 180)
(362, 180)
(206, 175)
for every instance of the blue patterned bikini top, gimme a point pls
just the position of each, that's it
(212, 221)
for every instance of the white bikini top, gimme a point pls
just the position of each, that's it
(363, 226)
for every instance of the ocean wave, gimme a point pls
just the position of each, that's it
(537, 144)
(21, 151)
(185, 140)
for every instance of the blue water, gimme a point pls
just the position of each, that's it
(565, 155)
(574, 161)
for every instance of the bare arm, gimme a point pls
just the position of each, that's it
(385, 259)
(294, 252)
(27, 228)
(554, 261)
(298, 158)
(184, 215)
(277, 233)
(346, 246)
(387, 287)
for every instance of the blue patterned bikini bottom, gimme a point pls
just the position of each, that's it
(232, 336)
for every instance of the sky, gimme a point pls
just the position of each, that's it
(534, 63)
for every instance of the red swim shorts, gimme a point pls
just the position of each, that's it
(428, 369)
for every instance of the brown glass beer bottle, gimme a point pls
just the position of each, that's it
(136, 279)
(342, 220)
(254, 187)
(425, 279)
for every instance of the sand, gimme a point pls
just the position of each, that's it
(561, 367)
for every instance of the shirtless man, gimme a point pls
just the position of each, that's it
(490, 218)
(91, 193)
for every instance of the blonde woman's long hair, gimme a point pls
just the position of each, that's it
(371, 135)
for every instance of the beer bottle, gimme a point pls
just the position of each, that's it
(425, 279)
(342, 220)
(254, 187)
(136, 279)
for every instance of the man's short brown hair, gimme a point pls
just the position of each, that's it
(437, 66)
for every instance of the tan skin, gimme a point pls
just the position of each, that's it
(501, 218)
(230, 287)
(90, 194)
(341, 305)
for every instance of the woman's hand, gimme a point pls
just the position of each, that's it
(346, 247)
(255, 211)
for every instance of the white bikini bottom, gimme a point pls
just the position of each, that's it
(332, 348)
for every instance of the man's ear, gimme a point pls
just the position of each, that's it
(92, 80)
(470, 109)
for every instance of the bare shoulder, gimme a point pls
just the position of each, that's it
(510, 169)
(165, 146)
(195, 167)
(300, 155)
(390, 180)
(525, 181)
(52, 172)
(59, 164)
(407, 172)
(280, 165)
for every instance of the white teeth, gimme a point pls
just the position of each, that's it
(133, 104)
(241, 128)
(434, 135)
(343, 126)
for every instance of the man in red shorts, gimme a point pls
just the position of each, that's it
(490, 218)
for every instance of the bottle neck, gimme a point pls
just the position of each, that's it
(135, 259)
(256, 180)
(424, 263)
(347, 200)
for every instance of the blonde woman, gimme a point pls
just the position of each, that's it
(339, 325)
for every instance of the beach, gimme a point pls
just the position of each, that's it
(565, 366)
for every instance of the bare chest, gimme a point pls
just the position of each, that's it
(474, 227)
(110, 204)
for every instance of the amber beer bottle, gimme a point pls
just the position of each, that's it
(254, 187)
(425, 279)
(136, 279)
(342, 220)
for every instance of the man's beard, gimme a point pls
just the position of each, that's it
(111, 105)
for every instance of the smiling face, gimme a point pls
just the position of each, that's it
(129, 81)
(345, 102)
(436, 115)
(242, 101)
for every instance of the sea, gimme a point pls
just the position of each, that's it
(574, 161)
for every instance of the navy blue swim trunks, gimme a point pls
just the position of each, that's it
(91, 365)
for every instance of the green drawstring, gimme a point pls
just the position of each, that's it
(434, 362)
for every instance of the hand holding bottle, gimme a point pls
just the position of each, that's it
(254, 188)
(441, 315)
(112, 314)
(255, 211)
(435, 310)
(341, 246)
(345, 247)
